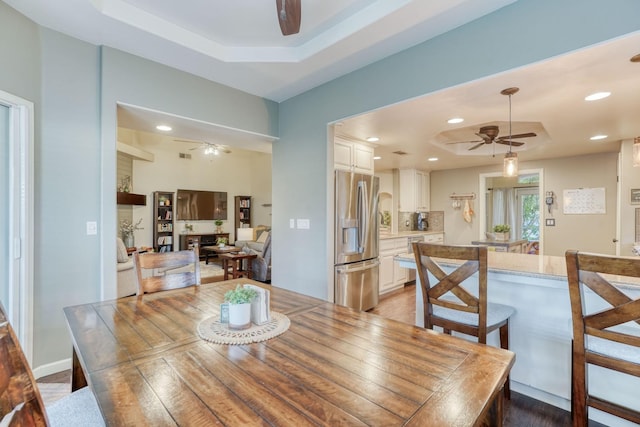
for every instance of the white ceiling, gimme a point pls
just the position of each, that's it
(239, 44)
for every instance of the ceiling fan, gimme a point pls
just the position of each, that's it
(209, 147)
(489, 134)
(289, 13)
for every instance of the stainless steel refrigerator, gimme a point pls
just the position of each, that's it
(356, 240)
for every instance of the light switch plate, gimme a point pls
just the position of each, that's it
(92, 228)
(292, 223)
(303, 224)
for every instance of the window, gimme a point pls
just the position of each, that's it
(528, 213)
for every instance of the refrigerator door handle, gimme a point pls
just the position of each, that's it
(363, 214)
(352, 270)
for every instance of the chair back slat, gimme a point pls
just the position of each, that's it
(587, 271)
(20, 400)
(166, 261)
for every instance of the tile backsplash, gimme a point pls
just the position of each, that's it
(407, 221)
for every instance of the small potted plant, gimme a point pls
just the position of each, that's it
(218, 223)
(239, 300)
(222, 241)
(501, 231)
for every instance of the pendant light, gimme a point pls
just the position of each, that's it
(510, 165)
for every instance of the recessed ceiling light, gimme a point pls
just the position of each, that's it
(455, 120)
(596, 96)
(597, 137)
(376, 157)
(373, 139)
(164, 128)
(432, 159)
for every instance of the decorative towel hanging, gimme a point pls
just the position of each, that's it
(467, 212)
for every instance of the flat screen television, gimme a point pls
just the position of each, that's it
(198, 205)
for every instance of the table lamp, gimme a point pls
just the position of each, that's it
(244, 234)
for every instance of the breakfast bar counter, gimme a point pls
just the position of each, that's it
(540, 330)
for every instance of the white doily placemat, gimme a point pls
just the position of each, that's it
(211, 329)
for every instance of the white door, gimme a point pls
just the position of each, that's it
(5, 198)
(16, 215)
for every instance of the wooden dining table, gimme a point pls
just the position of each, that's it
(334, 366)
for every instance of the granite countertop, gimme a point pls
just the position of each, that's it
(384, 236)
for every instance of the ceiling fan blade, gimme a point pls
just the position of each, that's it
(520, 135)
(463, 142)
(477, 146)
(485, 137)
(189, 141)
(506, 142)
(289, 13)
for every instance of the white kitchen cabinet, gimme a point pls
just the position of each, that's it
(352, 156)
(391, 275)
(414, 190)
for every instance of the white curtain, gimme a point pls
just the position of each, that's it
(504, 207)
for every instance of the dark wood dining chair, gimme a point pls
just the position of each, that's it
(451, 306)
(599, 337)
(161, 271)
(20, 400)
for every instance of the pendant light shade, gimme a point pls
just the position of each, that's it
(510, 166)
(636, 152)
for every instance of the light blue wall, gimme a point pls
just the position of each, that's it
(522, 33)
(67, 190)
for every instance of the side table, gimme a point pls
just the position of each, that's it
(232, 265)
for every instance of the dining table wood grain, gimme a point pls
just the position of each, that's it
(334, 366)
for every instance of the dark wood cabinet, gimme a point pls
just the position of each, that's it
(242, 213)
(162, 221)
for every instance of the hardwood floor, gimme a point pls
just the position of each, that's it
(520, 411)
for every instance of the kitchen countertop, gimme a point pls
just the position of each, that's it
(384, 236)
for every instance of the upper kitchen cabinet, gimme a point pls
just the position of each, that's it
(414, 190)
(353, 156)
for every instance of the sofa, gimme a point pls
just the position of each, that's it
(260, 234)
(126, 274)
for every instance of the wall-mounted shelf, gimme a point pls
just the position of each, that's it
(131, 199)
(463, 196)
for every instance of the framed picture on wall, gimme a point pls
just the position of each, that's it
(635, 196)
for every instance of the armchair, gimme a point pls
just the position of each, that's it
(261, 266)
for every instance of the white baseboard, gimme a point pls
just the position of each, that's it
(52, 368)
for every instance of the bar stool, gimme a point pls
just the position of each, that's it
(449, 305)
(600, 336)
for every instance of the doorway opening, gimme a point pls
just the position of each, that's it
(516, 203)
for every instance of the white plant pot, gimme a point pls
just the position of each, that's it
(239, 316)
(502, 236)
